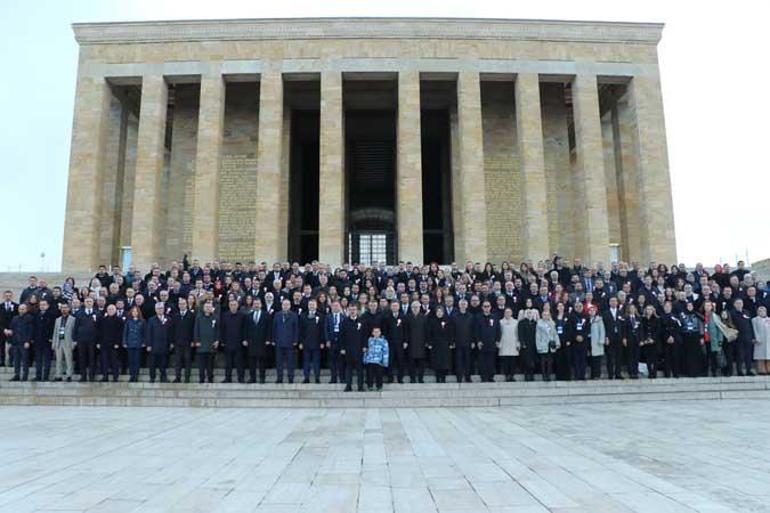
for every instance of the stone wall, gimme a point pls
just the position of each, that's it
(501, 167)
(180, 196)
(238, 171)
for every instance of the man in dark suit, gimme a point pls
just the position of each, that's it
(393, 326)
(312, 336)
(614, 327)
(160, 339)
(85, 337)
(7, 312)
(354, 338)
(285, 336)
(185, 327)
(44, 321)
(232, 336)
(20, 334)
(465, 329)
(336, 360)
(258, 325)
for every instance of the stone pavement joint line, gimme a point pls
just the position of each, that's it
(654, 456)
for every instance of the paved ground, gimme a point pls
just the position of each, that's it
(652, 456)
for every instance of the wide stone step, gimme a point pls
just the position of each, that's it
(396, 395)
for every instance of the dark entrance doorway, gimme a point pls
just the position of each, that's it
(370, 170)
(303, 98)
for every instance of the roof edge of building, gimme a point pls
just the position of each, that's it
(366, 28)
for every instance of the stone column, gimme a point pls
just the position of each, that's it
(529, 126)
(146, 223)
(590, 168)
(409, 168)
(211, 116)
(472, 191)
(86, 175)
(331, 210)
(624, 136)
(269, 169)
(657, 211)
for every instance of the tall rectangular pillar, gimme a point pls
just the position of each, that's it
(472, 191)
(409, 168)
(529, 126)
(590, 167)
(269, 169)
(624, 136)
(657, 211)
(146, 223)
(211, 116)
(86, 175)
(331, 177)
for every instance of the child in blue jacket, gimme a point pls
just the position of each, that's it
(376, 359)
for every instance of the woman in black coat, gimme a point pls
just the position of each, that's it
(650, 340)
(527, 333)
(416, 339)
(633, 338)
(440, 338)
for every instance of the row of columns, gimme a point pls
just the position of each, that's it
(469, 188)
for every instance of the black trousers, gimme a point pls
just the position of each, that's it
(487, 361)
(183, 360)
(43, 360)
(579, 359)
(233, 358)
(712, 361)
(546, 365)
(20, 355)
(374, 375)
(416, 369)
(633, 354)
(596, 367)
(671, 354)
(692, 354)
(336, 364)
(205, 367)
(87, 360)
(311, 361)
(357, 366)
(109, 361)
(396, 368)
(2, 350)
(257, 362)
(463, 363)
(744, 356)
(508, 366)
(159, 362)
(614, 352)
(650, 352)
(562, 363)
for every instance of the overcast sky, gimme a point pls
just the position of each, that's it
(713, 63)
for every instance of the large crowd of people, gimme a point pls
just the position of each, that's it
(556, 319)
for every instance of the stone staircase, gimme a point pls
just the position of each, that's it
(427, 395)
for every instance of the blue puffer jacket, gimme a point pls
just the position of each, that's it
(377, 351)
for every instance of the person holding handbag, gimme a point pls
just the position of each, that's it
(713, 339)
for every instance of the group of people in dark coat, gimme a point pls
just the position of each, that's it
(552, 319)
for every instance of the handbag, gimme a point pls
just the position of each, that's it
(731, 334)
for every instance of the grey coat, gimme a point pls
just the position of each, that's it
(69, 327)
(597, 335)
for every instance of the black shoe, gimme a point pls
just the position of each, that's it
(348, 389)
(37, 379)
(16, 378)
(152, 381)
(58, 379)
(306, 381)
(317, 381)
(278, 381)
(177, 380)
(114, 380)
(186, 380)
(69, 380)
(252, 381)
(261, 381)
(360, 389)
(227, 381)
(104, 380)
(333, 381)
(83, 380)
(751, 373)
(379, 389)
(401, 381)
(420, 381)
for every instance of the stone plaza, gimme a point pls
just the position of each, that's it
(661, 456)
(367, 140)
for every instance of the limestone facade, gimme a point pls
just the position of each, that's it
(182, 130)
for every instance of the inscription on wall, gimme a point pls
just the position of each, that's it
(237, 206)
